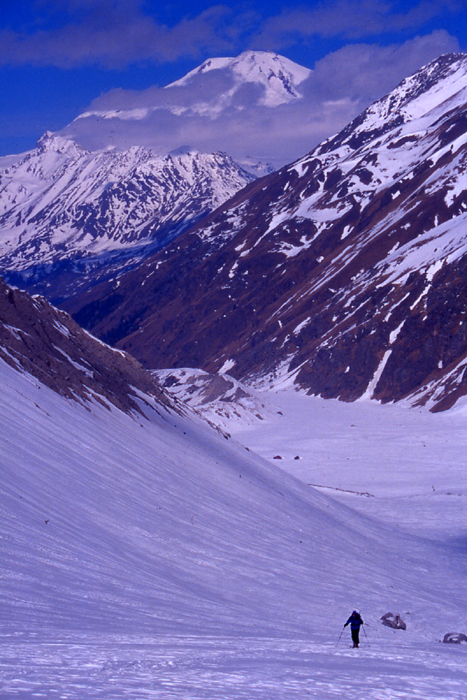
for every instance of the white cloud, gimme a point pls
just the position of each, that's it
(113, 34)
(341, 85)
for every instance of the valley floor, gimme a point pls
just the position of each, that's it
(190, 668)
(402, 467)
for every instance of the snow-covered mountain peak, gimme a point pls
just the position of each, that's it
(279, 76)
(426, 90)
(60, 203)
(207, 66)
(382, 205)
(433, 90)
(183, 151)
(59, 144)
(217, 106)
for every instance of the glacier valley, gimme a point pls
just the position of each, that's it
(157, 557)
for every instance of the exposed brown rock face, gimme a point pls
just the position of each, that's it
(46, 343)
(345, 270)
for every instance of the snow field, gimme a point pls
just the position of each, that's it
(405, 466)
(154, 558)
(116, 667)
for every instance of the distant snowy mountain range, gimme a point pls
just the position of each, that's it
(344, 273)
(77, 210)
(68, 215)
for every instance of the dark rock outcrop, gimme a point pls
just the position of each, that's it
(454, 638)
(393, 621)
(47, 344)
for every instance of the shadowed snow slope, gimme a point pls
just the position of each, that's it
(116, 522)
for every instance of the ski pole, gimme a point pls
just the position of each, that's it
(340, 636)
(364, 630)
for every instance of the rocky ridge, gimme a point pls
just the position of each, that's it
(69, 217)
(43, 342)
(218, 398)
(343, 272)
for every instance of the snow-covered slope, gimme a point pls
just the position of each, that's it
(123, 511)
(67, 214)
(404, 466)
(145, 553)
(344, 271)
(153, 555)
(114, 520)
(279, 77)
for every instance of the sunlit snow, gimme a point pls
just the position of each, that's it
(158, 558)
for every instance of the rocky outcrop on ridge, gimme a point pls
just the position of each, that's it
(44, 342)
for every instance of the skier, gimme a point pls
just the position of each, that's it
(355, 622)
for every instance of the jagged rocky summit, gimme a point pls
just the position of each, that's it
(344, 273)
(70, 217)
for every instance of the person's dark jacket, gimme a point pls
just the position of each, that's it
(355, 621)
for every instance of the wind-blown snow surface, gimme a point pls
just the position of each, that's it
(154, 558)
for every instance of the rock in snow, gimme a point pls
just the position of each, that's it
(394, 621)
(454, 638)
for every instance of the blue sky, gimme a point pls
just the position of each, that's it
(56, 56)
